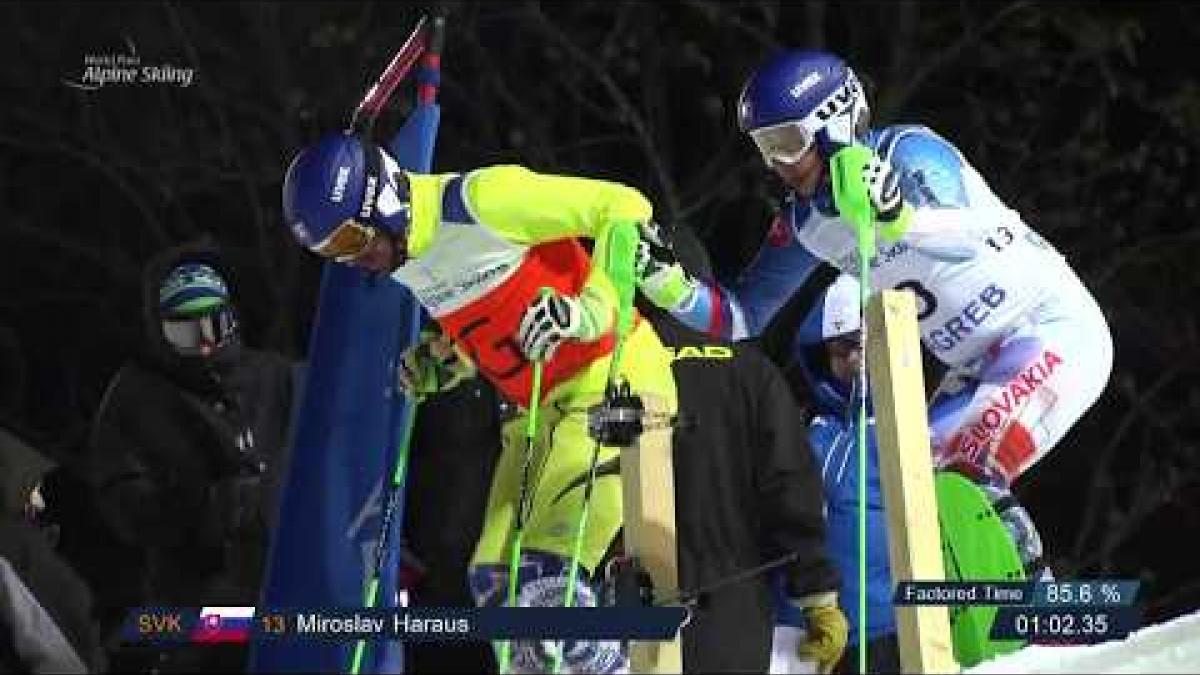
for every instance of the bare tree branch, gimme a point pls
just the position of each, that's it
(627, 110)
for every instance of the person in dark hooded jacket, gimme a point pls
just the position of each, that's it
(45, 607)
(187, 449)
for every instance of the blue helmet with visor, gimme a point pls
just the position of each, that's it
(340, 193)
(801, 99)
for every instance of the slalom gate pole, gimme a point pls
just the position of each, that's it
(394, 489)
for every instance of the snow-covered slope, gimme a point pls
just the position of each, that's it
(1172, 647)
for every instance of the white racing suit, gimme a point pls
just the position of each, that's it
(1026, 347)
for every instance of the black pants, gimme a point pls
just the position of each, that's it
(455, 445)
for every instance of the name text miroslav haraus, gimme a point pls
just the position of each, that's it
(400, 624)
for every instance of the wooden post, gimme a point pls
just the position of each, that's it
(906, 471)
(648, 500)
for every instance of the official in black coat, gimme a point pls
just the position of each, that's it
(187, 450)
(747, 494)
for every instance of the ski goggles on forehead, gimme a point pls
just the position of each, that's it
(785, 143)
(192, 335)
(348, 241)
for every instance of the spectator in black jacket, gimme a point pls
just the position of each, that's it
(746, 494)
(45, 608)
(187, 449)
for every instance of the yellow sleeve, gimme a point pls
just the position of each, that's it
(530, 208)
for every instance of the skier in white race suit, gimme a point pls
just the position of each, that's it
(1026, 348)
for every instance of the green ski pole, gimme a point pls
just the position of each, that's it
(514, 564)
(621, 251)
(371, 596)
(854, 204)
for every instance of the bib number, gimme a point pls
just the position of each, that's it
(928, 301)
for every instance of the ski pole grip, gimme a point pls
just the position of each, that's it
(850, 191)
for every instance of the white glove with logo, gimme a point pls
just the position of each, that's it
(549, 321)
(883, 187)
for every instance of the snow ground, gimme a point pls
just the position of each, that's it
(1172, 647)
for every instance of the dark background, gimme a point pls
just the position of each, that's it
(1083, 116)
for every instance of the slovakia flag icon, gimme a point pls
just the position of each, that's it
(223, 624)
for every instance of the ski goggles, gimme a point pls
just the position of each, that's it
(200, 335)
(785, 143)
(348, 241)
(843, 345)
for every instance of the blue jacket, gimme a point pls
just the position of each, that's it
(833, 435)
(834, 439)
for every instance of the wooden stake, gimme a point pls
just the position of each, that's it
(648, 500)
(906, 471)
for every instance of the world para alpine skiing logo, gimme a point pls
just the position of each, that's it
(100, 69)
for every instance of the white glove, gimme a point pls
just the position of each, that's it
(660, 277)
(549, 321)
(883, 187)
(432, 366)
